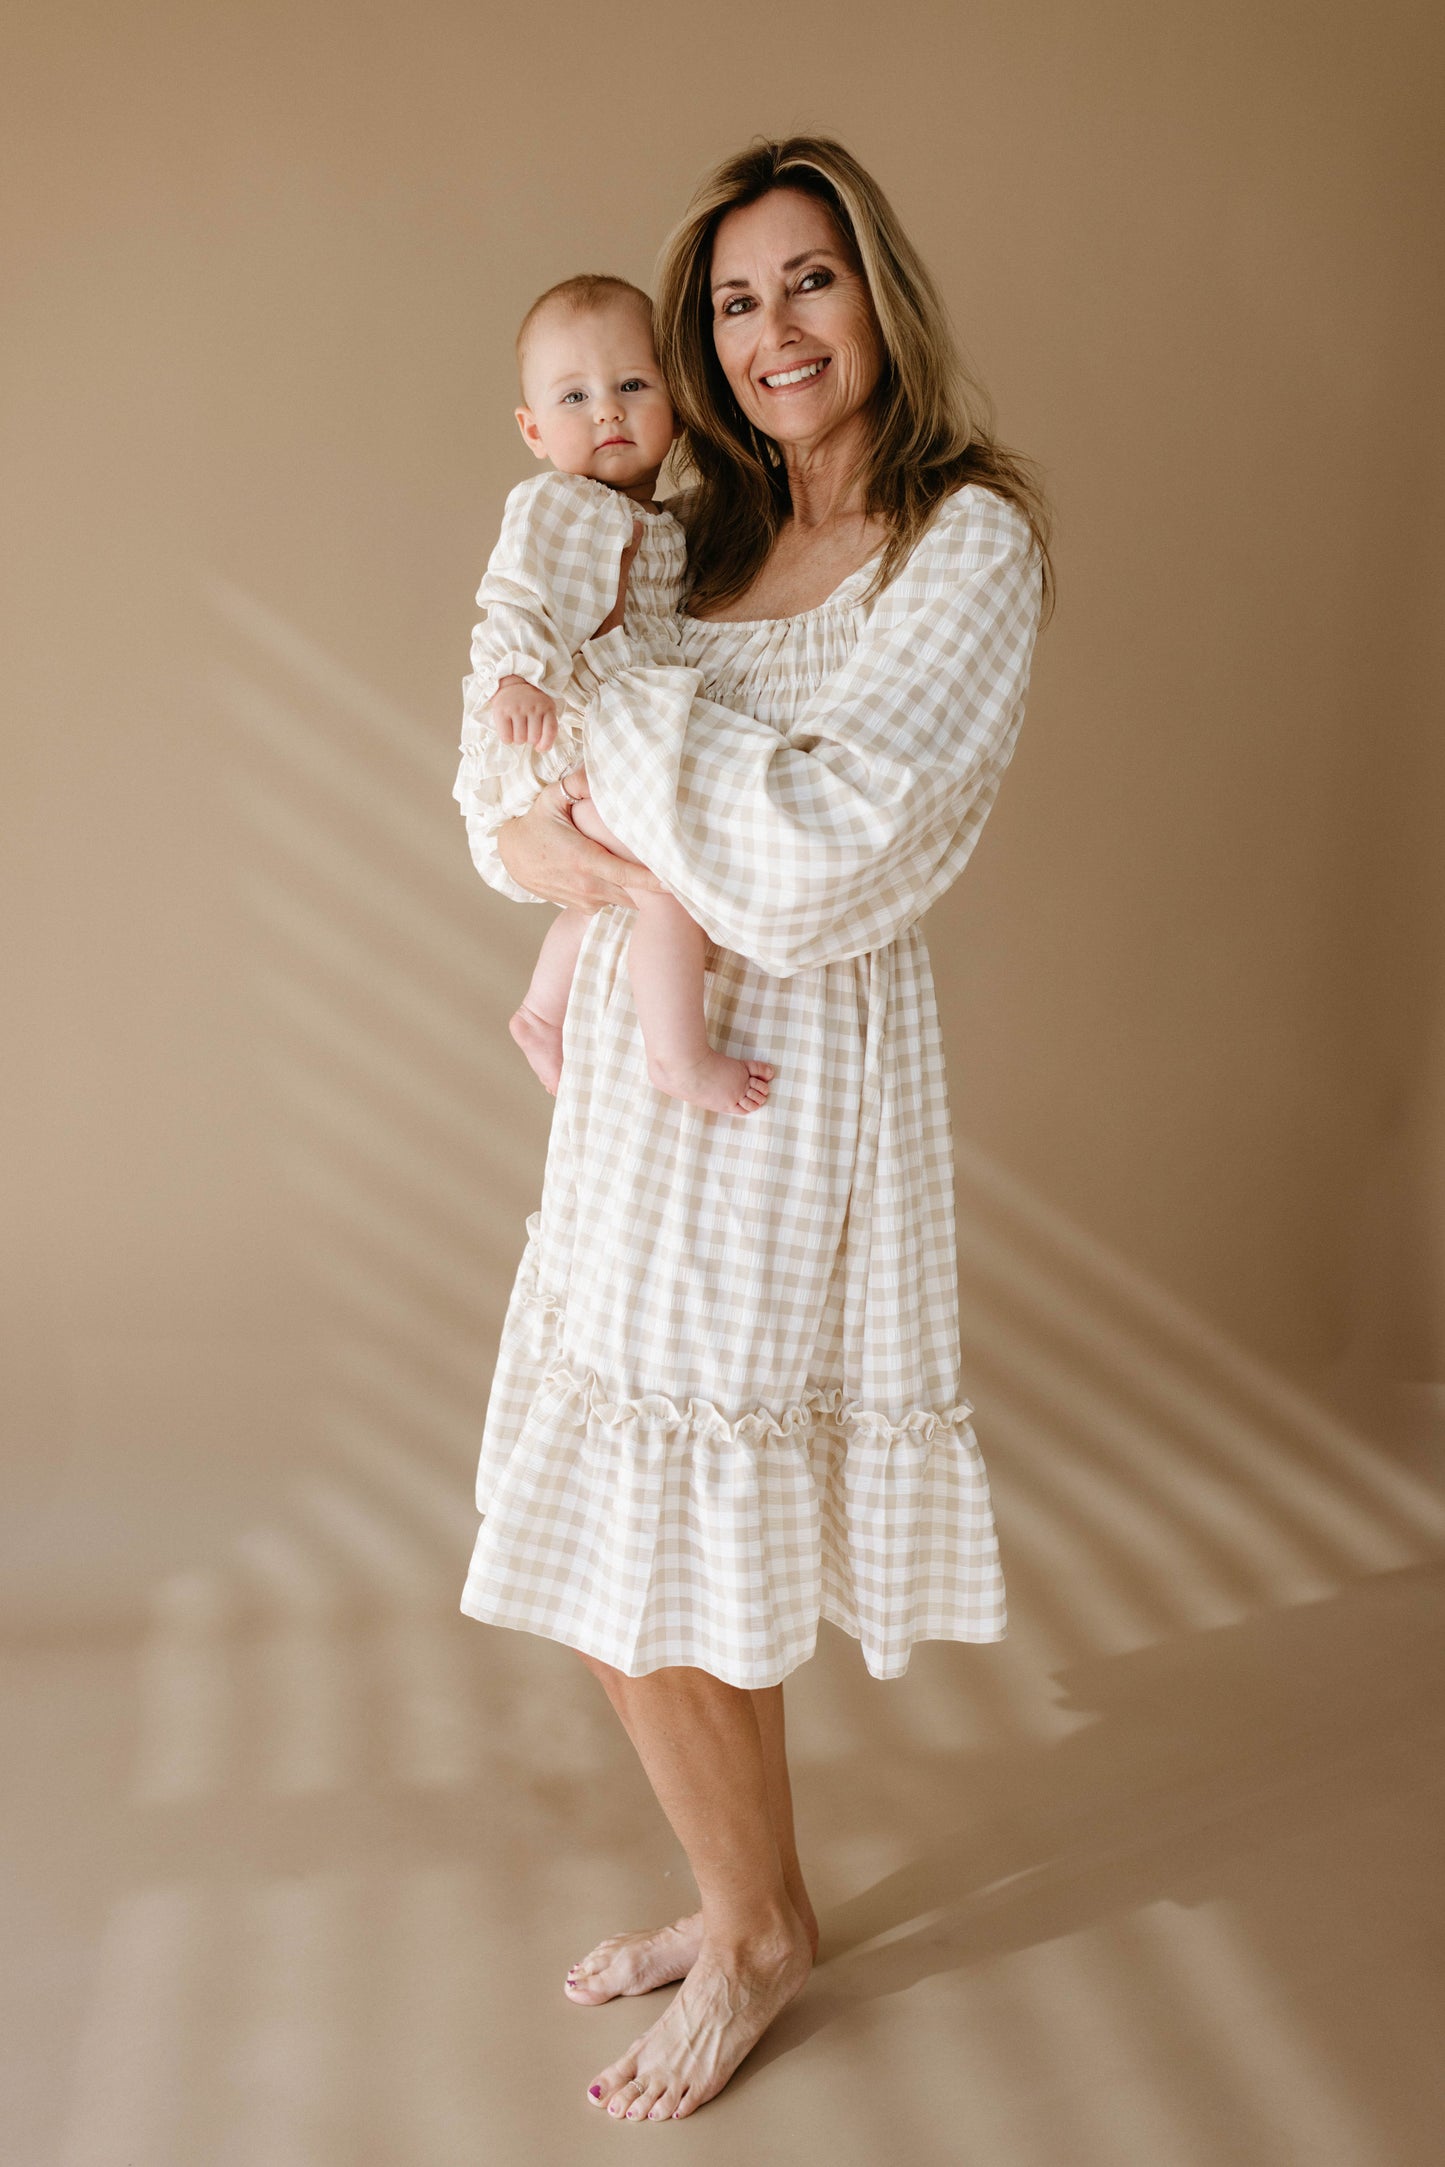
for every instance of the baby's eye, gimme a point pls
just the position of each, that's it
(569, 396)
(634, 383)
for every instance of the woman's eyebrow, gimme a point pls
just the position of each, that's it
(721, 285)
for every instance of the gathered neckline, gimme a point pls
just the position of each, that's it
(793, 616)
(660, 510)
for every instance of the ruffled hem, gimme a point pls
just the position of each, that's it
(650, 1532)
(760, 1425)
(751, 1677)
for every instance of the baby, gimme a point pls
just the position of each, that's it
(595, 406)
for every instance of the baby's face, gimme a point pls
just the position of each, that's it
(596, 403)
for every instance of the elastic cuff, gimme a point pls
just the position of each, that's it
(484, 683)
(608, 654)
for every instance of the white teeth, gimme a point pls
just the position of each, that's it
(795, 376)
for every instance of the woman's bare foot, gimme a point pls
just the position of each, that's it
(639, 1963)
(541, 1042)
(636, 1963)
(718, 1081)
(725, 2004)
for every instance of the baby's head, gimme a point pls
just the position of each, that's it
(594, 399)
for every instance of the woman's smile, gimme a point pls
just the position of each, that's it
(796, 377)
(794, 325)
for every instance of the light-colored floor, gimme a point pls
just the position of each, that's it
(298, 1856)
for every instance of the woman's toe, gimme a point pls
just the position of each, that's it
(623, 2097)
(608, 2083)
(639, 2108)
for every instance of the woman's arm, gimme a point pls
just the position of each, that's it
(825, 843)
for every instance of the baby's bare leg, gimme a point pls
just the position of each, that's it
(665, 964)
(537, 1025)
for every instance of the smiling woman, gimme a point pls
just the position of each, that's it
(728, 1400)
(795, 244)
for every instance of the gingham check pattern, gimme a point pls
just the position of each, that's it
(727, 1398)
(549, 583)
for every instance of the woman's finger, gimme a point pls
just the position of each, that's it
(548, 856)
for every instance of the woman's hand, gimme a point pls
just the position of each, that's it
(613, 618)
(547, 856)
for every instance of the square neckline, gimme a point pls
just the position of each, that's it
(792, 616)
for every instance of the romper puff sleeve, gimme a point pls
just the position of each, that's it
(549, 583)
(826, 842)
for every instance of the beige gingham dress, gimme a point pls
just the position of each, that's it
(727, 1399)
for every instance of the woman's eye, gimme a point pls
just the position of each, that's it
(825, 276)
(736, 305)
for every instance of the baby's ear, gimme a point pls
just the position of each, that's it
(531, 434)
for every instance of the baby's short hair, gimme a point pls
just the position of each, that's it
(587, 291)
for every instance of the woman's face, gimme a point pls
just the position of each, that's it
(793, 319)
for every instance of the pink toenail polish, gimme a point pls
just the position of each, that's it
(595, 2090)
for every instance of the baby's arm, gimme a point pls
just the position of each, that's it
(552, 569)
(549, 583)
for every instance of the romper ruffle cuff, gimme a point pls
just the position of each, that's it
(502, 780)
(488, 671)
(647, 1533)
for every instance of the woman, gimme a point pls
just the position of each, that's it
(727, 1399)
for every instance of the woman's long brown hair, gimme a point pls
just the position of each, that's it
(932, 420)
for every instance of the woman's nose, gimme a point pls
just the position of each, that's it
(778, 327)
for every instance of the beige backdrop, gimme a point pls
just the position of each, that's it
(272, 1146)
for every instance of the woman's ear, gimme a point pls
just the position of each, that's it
(531, 434)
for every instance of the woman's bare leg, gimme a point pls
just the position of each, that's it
(665, 964)
(701, 1744)
(537, 1025)
(636, 1963)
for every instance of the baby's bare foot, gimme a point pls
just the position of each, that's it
(636, 1963)
(541, 1042)
(718, 1081)
(720, 2012)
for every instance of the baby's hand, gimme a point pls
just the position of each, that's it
(523, 715)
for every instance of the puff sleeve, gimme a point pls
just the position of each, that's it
(826, 842)
(549, 583)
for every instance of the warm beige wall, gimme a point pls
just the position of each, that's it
(267, 260)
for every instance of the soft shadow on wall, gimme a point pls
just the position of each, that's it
(1079, 1834)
